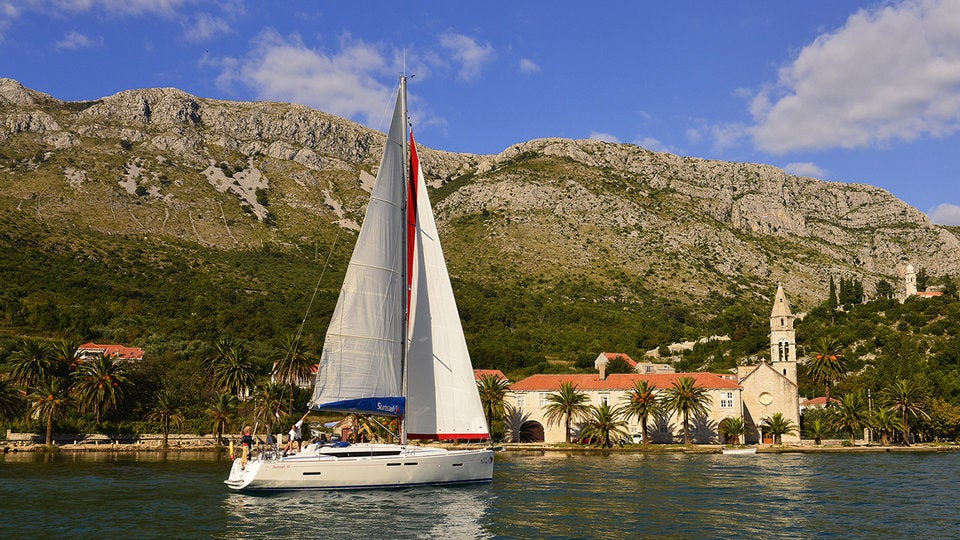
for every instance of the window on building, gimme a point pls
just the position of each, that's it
(726, 399)
(543, 400)
(604, 399)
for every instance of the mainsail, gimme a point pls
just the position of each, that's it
(396, 312)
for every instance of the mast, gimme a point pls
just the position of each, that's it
(406, 251)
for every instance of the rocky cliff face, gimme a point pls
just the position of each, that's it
(226, 174)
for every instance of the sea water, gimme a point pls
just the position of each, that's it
(534, 495)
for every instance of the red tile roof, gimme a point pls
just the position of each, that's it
(115, 351)
(619, 381)
(818, 402)
(481, 373)
(613, 355)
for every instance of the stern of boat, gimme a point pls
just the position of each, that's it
(241, 478)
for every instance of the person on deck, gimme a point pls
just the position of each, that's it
(246, 443)
(295, 436)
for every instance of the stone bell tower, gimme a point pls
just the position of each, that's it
(783, 341)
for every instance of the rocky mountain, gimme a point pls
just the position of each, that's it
(163, 164)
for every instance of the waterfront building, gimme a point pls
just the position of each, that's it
(755, 392)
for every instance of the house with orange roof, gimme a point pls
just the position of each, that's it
(529, 398)
(91, 350)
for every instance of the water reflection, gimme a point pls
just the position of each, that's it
(405, 513)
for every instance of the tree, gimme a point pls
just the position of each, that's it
(619, 364)
(850, 414)
(222, 410)
(32, 363)
(567, 404)
(166, 409)
(922, 279)
(778, 426)
(832, 297)
(642, 402)
(64, 355)
(826, 364)
(818, 429)
(886, 421)
(603, 425)
(687, 398)
(732, 427)
(99, 384)
(493, 395)
(294, 364)
(906, 398)
(884, 289)
(51, 400)
(268, 404)
(236, 372)
(11, 401)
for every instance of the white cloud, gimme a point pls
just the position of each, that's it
(204, 27)
(945, 214)
(605, 137)
(528, 66)
(806, 168)
(345, 83)
(890, 73)
(75, 40)
(471, 55)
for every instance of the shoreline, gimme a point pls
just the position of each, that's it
(115, 447)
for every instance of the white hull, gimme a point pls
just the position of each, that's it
(364, 466)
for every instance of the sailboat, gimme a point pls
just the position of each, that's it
(394, 347)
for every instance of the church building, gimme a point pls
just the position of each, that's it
(769, 388)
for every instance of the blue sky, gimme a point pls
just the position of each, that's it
(865, 92)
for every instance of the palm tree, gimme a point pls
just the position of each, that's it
(907, 398)
(778, 426)
(236, 372)
(886, 421)
(64, 354)
(567, 404)
(642, 403)
(604, 425)
(31, 363)
(732, 427)
(493, 397)
(222, 409)
(687, 398)
(11, 401)
(221, 348)
(827, 363)
(850, 414)
(268, 404)
(99, 384)
(50, 400)
(817, 430)
(294, 364)
(166, 409)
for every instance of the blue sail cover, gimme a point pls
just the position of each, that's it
(391, 406)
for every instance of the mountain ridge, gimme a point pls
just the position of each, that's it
(236, 175)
